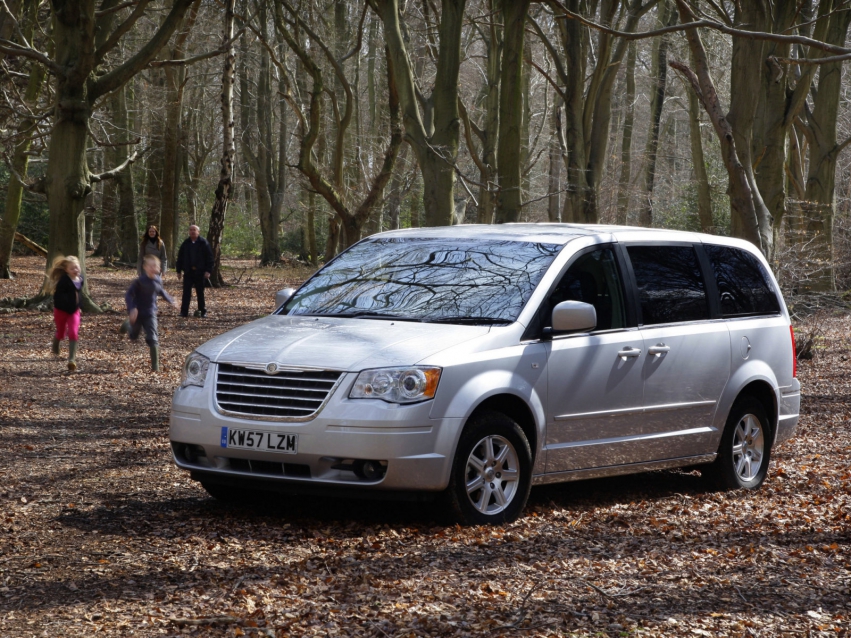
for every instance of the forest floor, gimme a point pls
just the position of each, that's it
(100, 534)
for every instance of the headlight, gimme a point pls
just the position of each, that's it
(397, 385)
(194, 370)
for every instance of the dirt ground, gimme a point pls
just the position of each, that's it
(101, 535)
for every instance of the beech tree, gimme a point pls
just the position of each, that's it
(84, 36)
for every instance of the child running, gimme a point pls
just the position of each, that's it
(66, 282)
(141, 300)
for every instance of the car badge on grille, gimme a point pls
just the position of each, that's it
(271, 368)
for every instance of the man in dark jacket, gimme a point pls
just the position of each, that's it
(195, 259)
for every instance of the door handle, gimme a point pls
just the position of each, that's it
(659, 350)
(629, 352)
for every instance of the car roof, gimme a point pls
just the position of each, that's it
(552, 233)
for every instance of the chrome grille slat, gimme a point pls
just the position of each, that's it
(231, 393)
(262, 376)
(269, 387)
(266, 405)
(287, 396)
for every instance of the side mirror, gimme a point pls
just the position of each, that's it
(574, 316)
(283, 296)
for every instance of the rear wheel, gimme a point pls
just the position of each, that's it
(492, 471)
(745, 449)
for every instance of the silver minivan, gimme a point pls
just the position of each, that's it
(473, 362)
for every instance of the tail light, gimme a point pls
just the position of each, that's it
(794, 353)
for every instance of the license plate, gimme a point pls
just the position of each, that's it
(261, 440)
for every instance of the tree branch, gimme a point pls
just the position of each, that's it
(357, 46)
(118, 7)
(809, 61)
(224, 48)
(114, 172)
(14, 49)
(117, 78)
(123, 28)
(696, 24)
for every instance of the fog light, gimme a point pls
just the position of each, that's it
(370, 470)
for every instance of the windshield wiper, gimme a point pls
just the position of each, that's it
(366, 314)
(478, 321)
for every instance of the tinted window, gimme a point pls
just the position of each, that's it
(593, 279)
(423, 279)
(670, 284)
(743, 283)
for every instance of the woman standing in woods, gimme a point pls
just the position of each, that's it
(66, 281)
(152, 244)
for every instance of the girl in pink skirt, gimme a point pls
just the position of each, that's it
(67, 282)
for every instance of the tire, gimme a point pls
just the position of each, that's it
(492, 471)
(224, 493)
(745, 449)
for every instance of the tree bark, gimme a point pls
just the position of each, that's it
(127, 217)
(20, 156)
(173, 134)
(554, 184)
(626, 141)
(698, 162)
(225, 186)
(509, 157)
(436, 146)
(657, 103)
(819, 205)
(743, 198)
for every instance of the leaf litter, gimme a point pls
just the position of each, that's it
(101, 535)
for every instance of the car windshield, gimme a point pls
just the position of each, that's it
(417, 279)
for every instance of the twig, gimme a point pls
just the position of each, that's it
(522, 610)
(607, 594)
(212, 620)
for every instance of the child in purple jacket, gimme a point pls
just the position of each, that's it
(141, 300)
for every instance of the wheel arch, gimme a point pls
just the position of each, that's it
(763, 392)
(517, 410)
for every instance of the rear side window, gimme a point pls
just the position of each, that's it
(670, 284)
(743, 283)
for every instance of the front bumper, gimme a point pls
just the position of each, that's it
(415, 450)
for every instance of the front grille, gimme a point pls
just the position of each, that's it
(287, 395)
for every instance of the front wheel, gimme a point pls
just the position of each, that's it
(745, 449)
(492, 471)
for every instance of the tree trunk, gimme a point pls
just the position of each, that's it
(223, 190)
(657, 101)
(743, 198)
(820, 198)
(108, 242)
(509, 157)
(626, 141)
(490, 131)
(698, 162)
(436, 147)
(394, 197)
(264, 180)
(127, 217)
(554, 185)
(154, 162)
(311, 228)
(20, 157)
(172, 135)
(573, 37)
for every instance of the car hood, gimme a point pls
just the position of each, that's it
(336, 343)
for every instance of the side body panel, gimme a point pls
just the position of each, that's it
(685, 371)
(595, 400)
